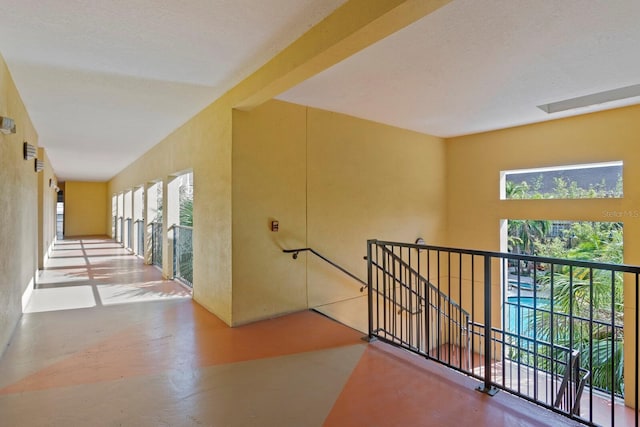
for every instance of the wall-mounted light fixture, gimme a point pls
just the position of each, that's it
(39, 165)
(7, 125)
(29, 151)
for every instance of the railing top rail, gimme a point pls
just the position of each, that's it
(322, 257)
(506, 333)
(624, 268)
(184, 227)
(542, 309)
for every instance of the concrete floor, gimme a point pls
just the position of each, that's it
(106, 342)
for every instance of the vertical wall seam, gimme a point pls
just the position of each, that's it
(306, 201)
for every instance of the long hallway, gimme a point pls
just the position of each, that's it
(106, 342)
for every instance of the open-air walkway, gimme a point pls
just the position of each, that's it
(106, 342)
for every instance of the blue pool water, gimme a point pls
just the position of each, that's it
(527, 318)
(522, 285)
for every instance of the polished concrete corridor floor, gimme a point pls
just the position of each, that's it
(106, 342)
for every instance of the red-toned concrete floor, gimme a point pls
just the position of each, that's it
(106, 342)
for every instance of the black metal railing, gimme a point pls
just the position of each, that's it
(129, 228)
(156, 243)
(139, 225)
(295, 253)
(430, 322)
(183, 254)
(553, 377)
(555, 327)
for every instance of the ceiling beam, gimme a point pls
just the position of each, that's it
(349, 29)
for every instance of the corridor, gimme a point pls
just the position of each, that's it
(105, 341)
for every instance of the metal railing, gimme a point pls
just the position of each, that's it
(183, 254)
(156, 243)
(429, 321)
(296, 252)
(139, 225)
(555, 327)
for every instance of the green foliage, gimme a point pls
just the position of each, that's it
(184, 248)
(186, 212)
(562, 189)
(523, 235)
(185, 236)
(584, 293)
(517, 191)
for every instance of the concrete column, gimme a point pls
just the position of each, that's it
(138, 215)
(152, 212)
(171, 207)
(128, 216)
(119, 217)
(114, 213)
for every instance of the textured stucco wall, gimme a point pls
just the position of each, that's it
(18, 209)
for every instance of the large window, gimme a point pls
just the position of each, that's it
(586, 181)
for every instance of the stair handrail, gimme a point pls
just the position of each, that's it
(423, 301)
(420, 277)
(295, 253)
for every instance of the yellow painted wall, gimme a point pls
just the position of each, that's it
(269, 183)
(332, 181)
(85, 205)
(367, 180)
(47, 199)
(474, 163)
(18, 209)
(204, 143)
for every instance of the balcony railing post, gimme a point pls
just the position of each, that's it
(370, 286)
(636, 399)
(487, 387)
(175, 253)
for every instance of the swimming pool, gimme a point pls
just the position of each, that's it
(513, 283)
(527, 317)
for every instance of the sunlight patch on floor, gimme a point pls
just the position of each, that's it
(140, 292)
(55, 299)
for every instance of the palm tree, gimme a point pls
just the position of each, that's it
(587, 294)
(514, 190)
(524, 233)
(186, 212)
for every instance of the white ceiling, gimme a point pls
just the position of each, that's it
(478, 65)
(104, 81)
